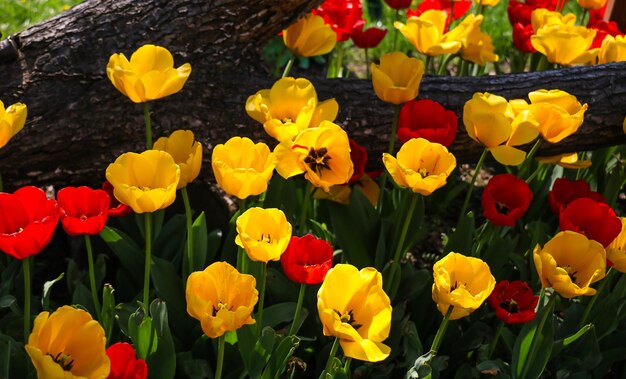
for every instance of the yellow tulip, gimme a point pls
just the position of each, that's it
(68, 344)
(491, 3)
(145, 182)
(613, 49)
(341, 194)
(426, 34)
(322, 154)
(566, 160)
(592, 4)
(263, 233)
(149, 75)
(477, 46)
(569, 263)
(565, 44)
(421, 165)
(221, 298)
(12, 120)
(462, 282)
(616, 251)
(397, 79)
(243, 168)
(186, 151)
(310, 36)
(289, 107)
(541, 17)
(353, 307)
(558, 113)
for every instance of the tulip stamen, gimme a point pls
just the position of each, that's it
(572, 275)
(219, 307)
(348, 318)
(19, 230)
(502, 208)
(317, 160)
(423, 172)
(83, 218)
(63, 360)
(510, 305)
(265, 238)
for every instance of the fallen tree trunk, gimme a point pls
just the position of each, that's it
(78, 123)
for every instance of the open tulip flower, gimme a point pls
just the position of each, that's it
(570, 263)
(243, 168)
(557, 113)
(186, 151)
(397, 79)
(69, 344)
(146, 182)
(289, 107)
(616, 251)
(322, 154)
(505, 199)
(353, 307)
(596, 220)
(427, 33)
(613, 49)
(307, 259)
(149, 75)
(564, 191)
(124, 362)
(420, 165)
(263, 233)
(462, 282)
(565, 44)
(513, 302)
(310, 36)
(221, 298)
(27, 221)
(83, 210)
(12, 120)
(477, 46)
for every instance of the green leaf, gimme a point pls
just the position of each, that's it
(392, 275)
(129, 254)
(108, 309)
(200, 243)
(142, 334)
(564, 342)
(170, 243)
(169, 287)
(460, 241)
(214, 242)
(522, 361)
(278, 313)
(280, 357)
(47, 286)
(163, 360)
(7, 301)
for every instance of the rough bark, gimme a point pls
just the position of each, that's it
(78, 123)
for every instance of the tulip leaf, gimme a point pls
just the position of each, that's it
(200, 242)
(277, 314)
(255, 353)
(169, 287)
(129, 254)
(107, 315)
(564, 342)
(401, 216)
(280, 357)
(142, 334)
(170, 242)
(47, 286)
(163, 359)
(391, 278)
(460, 241)
(530, 358)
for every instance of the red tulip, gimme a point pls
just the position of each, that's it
(565, 191)
(460, 8)
(603, 28)
(27, 221)
(116, 209)
(427, 119)
(368, 38)
(341, 15)
(595, 220)
(83, 210)
(521, 38)
(505, 199)
(124, 362)
(513, 302)
(358, 155)
(307, 259)
(398, 4)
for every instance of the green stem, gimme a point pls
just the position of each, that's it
(468, 195)
(392, 142)
(405, 227)
(594, 299)
(395, 31)
(242, 256)
(146, 273)
(532, 352)
(292, 59)
(529, 157)
(339, 61)
(463, 69)
(584, 17)
(543, 63)
(296, 316)
(444, 63)
(146, 116)
(259, 317)
(494, 341)
(26, 269)
(92, 277)
(434, 348)
(305, 209)
(534, 174)
(480, 8)
(221, 346)
(331, 356)
(346, 367)
(188, 216)
(427, 64)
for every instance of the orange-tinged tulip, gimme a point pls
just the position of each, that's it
(616, 251)
(613, 49)
(263, 233)
(289, 107)
(310, 36)
(462, 282)
(353, 307)
(565, 44)
(322, 154)
(558, 113)
(421, 165)
(243, 168)
(592, 4)
(145, 182)
(397, 79)
(426, 33)
(566, 160)
(186, 151)
(570, 263)
(149, 75)
(221, 298)
(68, 344)
(12, 120)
